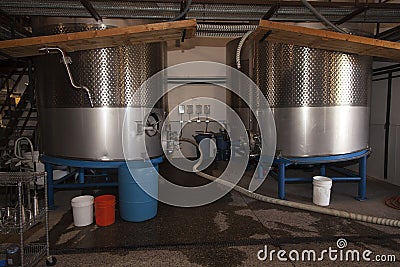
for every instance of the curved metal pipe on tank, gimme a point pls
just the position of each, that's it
(67, 61)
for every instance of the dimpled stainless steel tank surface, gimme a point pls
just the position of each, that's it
(70, 128)
(319, 98)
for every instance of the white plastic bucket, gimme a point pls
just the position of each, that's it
(321, 190)
(82, 210)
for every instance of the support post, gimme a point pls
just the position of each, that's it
(281, 180)
(322, 170)
(81, 175)
(50, 184)
(362, 185)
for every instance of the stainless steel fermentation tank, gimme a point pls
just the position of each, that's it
(319, 98)
(70, 128)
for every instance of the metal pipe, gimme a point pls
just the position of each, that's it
(390, 35)
(387, 126)
(271, 11)
(352, 15)
(322, 18)
(246, 11)
(91, 10)
(66, 60)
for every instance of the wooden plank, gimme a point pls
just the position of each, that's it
(327, 40)
(70, 42)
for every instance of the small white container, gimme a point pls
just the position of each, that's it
(82, 210)
(28, 160)
(322, 190)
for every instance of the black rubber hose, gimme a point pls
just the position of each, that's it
(184, 11)
(322, 18)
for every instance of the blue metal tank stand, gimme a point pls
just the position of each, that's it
(81, 165)
(138, 190)
(361, 177)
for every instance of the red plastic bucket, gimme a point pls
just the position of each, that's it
(104, 210)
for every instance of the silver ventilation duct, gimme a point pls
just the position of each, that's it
(228, 30)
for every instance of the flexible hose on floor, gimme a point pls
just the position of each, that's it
(291, 204)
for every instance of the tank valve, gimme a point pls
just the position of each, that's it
(152, 125)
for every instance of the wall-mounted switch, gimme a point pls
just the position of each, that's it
(199, 109)
(207, 109)
(189, 109)
(181, 109)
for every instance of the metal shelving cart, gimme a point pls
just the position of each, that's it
(27, 212)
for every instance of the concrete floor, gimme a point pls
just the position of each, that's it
(228, 232)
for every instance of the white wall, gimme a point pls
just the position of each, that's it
(187, 94)
(198, 53)
(377, 131)
(394, 135)
(378, 111)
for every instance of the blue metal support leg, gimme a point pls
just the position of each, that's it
(322, 170)
(362, 185)
(81, 165)
(281, 180)
(81, 175)
(50, 184)
(323, 162)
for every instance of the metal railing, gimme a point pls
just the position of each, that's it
(16, 111)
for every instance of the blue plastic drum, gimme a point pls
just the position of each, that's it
(134, 203)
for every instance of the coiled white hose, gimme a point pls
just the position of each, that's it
(17, 150)
(327, 211)
(17, 147)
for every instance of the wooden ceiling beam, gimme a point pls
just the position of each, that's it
(328, 40)
(76, 41)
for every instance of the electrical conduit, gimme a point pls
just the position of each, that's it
(239, 48)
